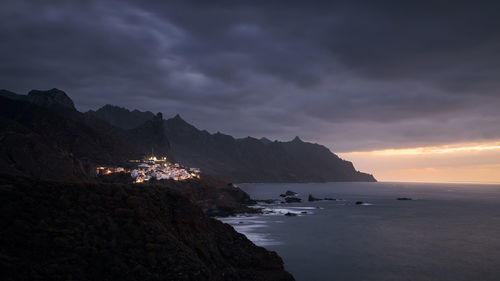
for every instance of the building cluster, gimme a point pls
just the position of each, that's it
(153, 168)
(101, 170)
(161, 169)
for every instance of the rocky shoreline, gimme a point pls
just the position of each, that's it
(97, 231)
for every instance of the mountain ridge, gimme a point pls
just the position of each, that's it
(126, 119)
(220, 155)
(61, 222)
(227, 157)
(53, 98)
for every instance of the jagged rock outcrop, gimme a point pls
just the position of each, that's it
(291, 199)
(213, 196)
(80, 231)
(265, 140)
(151, 136)
(311, 198)
(44, 138)
(247, 159)
(122, 117)
(94, 139)
(44, 143)
(254, 160)
(53, 99)
(91, 230)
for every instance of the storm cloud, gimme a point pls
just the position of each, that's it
(354, 75)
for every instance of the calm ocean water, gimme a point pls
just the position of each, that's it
(448, 232)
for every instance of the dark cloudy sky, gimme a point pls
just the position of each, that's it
(353, 75)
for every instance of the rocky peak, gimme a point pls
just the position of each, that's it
(265, 140)
(110, 107)
(10, 95)
(122, 117)
(178, 121)
(53, 98)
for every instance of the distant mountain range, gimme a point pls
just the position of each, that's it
(43, 135)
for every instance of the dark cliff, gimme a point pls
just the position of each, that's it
(53, 141)
(43, 143)
(53, 98)
(251, 159)
(122, 117)
(82, 228)
(82, 231)
(46, 123)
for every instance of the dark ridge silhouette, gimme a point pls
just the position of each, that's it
(39, 142)
(253, 160)
(91, 139)
(122, 117)
(62, 144)
(53, 99)
(82, 228)
(265, 140)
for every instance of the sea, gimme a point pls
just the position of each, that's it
(447, 232)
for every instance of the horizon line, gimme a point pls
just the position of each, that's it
(440, 182)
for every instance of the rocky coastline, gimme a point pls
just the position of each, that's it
(100, 231)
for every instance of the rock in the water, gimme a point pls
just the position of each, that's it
(359, 202)
(290, 214)
(267, 201)
(312, 198)
(404, 198)
(289, 193)
(293, 200)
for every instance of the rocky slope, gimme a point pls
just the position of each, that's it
(213, 196)
(53, 99)
(47, 144)
(43, 143)
(250, 159)
(57, 142)
(122, 117)
(82, 231)
(87, 229)
(253, 160)
(111, 135)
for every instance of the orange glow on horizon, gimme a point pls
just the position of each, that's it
(481, 174)
(433, 149)
(466, 162)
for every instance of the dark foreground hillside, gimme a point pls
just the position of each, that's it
(213, 196)
(82, 231)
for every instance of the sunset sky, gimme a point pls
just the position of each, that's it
(408, 91)
(463, 163)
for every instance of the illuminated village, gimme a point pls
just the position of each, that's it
(154, 168)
